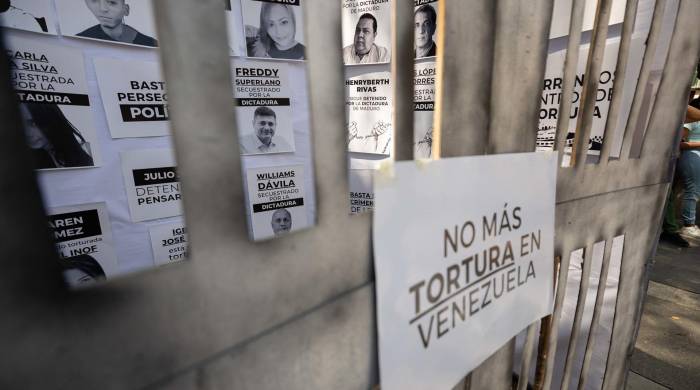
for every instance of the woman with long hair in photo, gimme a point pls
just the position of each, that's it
(55, 142)
(276, 37)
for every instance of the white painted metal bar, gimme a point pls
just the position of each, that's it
(570, 71)
(597, 309)
(619, 83)
(402, 51)
(596, 51)
(526, 361)
(649, 54)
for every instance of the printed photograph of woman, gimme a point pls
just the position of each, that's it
(54, 141)
(276, 35)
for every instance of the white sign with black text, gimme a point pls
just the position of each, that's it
(169, 243)
(277, 200)
(53, 94)
(263, 107)
(464, 252)
(83, 238)
(152, 184)
(134, 97)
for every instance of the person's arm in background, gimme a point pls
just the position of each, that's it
(692, 115)
(687, 145)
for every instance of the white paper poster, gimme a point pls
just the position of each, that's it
(263, 107)
(134, 97)
(29, 15)
(366, 32)
(423, 107)
(169, 243)
(83, 239)
(152, 184)
(50, 83)
(277, 200)
(274, 28)
(368, 111)
(551, 98)
(126, 22)
(425, 27)
(361, 190)
(464, 253)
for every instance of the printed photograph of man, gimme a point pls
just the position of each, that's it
(425, 22)
(281, 222)
(364, 50)
(263, 140)
(17, 17)
(111, 26)
(54, 141)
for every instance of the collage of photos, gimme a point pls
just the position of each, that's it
(367, 58)
(95, 106)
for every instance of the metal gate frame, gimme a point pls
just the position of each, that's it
(298, 312)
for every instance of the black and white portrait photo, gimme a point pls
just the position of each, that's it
(28, 15)
(366, 33)
(262, 97)
(123, 21)
(50, 84)
(425, 27)
(264, 137)
(273, 29)
(55, 142)
(276, 200)
(281, 222)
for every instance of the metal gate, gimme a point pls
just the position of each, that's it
(298, 312)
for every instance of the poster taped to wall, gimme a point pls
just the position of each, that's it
(425, 25)
(118, 21)
(277, 201)
(169, 243)
(152, 184)
(368, 111)
(28, 15)
(361, 190)
(423, 107)
(457, 267)
(134, 98)
(50, 83)
(263, 107)
(274, 28)
(366, 32)
(551, 97)
(83, 239)
(561, 16)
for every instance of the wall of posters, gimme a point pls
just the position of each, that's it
(368, 110)
(274, 29)
(423, 107)
(169, 243)
(28, 15)
(50, 83)
(263, 107)
(366, 32)
(152, 184)
(122, 22)
(276, 199)
(446, 278)
(134, 98)
(83, 238)
(425, 22)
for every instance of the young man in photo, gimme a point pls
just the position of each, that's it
(111, 27)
